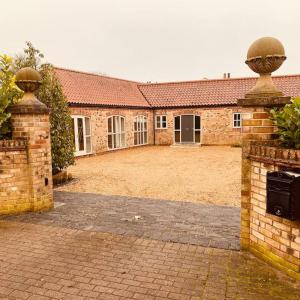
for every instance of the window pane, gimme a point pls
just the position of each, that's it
(197, 122)
(145, 123)
(116, 141)
(123, 140)
(88, 144)
(164, 118)
(109, 125)
(177, 123)
(135, 138)
(177, 136)
(122, 124)
(145, 137)
(87, 126)
(80, 134)
(135, 125)
(157, 121)
(110, 141)
(197, 136)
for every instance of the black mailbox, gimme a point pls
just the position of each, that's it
(283, 194)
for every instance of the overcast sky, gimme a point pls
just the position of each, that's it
(151, 40)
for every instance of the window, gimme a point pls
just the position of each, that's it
(116, 132)
(197, 129)
(177, 129)
(237, 120)
(82, 135)
(161, 122)
(140, 130)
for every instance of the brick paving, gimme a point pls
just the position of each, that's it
(46, 262)
(183, 222)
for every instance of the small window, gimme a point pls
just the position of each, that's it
(161, 122)
(237, 120)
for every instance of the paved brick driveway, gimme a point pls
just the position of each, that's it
(45, 262)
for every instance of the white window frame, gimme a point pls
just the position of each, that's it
(239, 120)
(116, 123)
(161, 122)
(140, 130)
(85, 136)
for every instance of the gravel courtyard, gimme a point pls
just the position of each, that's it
(203, 175)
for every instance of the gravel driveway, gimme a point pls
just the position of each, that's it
(203, 175)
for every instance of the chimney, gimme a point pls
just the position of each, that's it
(224, 76)
(228, 75)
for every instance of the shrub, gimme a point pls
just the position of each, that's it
(50, 93)
(287, 121)
(9, 95)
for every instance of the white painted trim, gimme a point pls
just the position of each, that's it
(194, 117)
(233, 114)
(75, 122)
(116, 133)
(161, 128)
(142, 130)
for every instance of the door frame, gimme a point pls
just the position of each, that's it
(194, 115)
(75, 122)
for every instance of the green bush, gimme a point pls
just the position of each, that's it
(9, 95)
(50, 93)
(287, 121)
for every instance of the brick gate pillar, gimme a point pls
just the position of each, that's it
(30, 121)
(264, 56)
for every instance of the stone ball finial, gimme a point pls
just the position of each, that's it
(28, 79)
(265, 56)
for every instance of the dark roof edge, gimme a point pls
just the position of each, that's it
(72, 104)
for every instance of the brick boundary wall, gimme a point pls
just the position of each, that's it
(274, 239)
(14, 183)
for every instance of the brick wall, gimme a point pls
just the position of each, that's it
(99, 124)
(25, 164)
(273, 238)
(14, 183)
(216, 123)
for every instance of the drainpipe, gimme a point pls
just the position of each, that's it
(154, 127)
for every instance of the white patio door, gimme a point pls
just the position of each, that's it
(82, 135)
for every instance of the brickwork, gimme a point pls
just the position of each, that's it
(25, 166)
(25, 161)
(274, 238)
(36, 129)
(14, 184)
(99, 124)
(52, 262)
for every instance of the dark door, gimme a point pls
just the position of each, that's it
(187, 129)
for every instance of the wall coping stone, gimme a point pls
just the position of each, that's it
(271, 153)
(264, 101)
(13, 145)
(40, 109)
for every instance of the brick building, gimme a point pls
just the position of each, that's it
(111, 113)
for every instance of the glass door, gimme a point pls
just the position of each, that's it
(82, 135)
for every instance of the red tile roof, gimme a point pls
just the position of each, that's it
(85, 88)
(211, 92)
